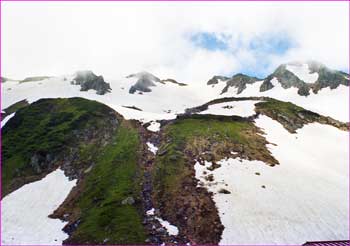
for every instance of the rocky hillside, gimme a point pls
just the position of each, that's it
(306, 77)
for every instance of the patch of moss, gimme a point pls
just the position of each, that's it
(104, 219)
(286, 108)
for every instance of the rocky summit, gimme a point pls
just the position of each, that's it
(89, 81)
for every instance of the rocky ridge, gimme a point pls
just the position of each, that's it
(89, 81)
(327, 78)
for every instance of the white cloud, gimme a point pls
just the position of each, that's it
(118, 38)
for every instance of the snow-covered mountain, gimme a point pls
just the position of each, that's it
(141, 159)
(311, 85)
(306, 77)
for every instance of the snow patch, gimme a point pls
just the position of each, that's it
(274, 82)
(303, 72)
(150, 212)
(25, 211)
(6, 119)
(152, 148)
(302, 199)
(171, 229)
(154, 126)
(240, 108)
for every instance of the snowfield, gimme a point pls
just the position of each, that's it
(240, 108)
(303, 72)
(6, 119)
(25, 211)
(154, 126)
(333, 103)
(167, 100)
(156, 105)
(305, 198)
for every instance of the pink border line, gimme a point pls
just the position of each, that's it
(150, 2)
(0, 128)
(174, 1)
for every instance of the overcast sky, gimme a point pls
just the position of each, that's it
(190, 42)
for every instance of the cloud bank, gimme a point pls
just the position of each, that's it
(189, 41)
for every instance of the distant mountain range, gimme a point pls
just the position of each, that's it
(306, 77)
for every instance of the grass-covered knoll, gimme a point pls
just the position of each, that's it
(203, 134)
(293, 117)
(92, 144)
(104, 219)
(51, 132)
(200, 137)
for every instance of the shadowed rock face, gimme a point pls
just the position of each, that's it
(238, 81)
(215, 80)
(144, 82)
(88, 80)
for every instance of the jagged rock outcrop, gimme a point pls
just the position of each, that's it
(146, 80)
(89, 81)
(240, 82)
(215, 80)
(327, 77)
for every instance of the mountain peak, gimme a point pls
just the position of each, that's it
(88, 80)
(145, 80)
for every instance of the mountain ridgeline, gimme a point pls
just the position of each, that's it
(287, 77)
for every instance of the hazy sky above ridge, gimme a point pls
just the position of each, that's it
(188, 41)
